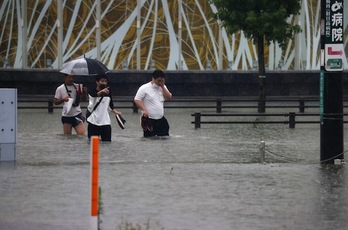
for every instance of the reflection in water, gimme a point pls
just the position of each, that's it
(206, 178)
(332, 204)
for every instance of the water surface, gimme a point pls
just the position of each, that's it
(208, 178)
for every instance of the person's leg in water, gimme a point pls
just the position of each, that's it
(80, 129)
(161, 127)
(93, 130)
(79, 125)
(106, 133)
(67, 128)
(67, 124)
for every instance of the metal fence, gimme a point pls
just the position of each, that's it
(254, 118)
(222, 108)
(217, 104)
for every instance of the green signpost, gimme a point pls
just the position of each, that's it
(334, 64)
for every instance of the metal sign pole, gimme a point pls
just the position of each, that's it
(331, 100)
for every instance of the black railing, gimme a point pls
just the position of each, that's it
(291, 118)
(49, 105)
(218, 104)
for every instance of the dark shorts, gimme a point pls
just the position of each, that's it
(160, 128)
(103, 131)
(74, 121)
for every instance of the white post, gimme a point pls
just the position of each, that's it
(220, 64)
(297, 48)
(138, 37)
(180, 33)
(97, 26)
(262, 152)
(24, 34)
(60, 33)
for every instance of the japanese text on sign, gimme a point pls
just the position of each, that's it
(334, 21)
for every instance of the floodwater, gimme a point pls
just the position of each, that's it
(208, 178)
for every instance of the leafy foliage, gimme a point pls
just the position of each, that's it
(268, 18)
(261, 21)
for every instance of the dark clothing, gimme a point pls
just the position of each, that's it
(103, 131)
(74, 121)
(160, 128)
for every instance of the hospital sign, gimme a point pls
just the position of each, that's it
(334, 49)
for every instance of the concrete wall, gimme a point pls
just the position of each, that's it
(180, 83)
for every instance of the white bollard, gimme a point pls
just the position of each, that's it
(262, 152)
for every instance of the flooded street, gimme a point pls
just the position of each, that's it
(207, 179)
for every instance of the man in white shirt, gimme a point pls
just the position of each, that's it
(68, 94)
(150, 98)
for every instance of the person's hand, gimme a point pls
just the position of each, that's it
(105, 91)
(116, 112)
(66, 99)
(162, 82)
(145, 113)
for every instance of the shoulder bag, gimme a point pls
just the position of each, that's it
(88, 113)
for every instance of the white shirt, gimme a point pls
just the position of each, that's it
(100, 116)
(61, 93)
(152, 97)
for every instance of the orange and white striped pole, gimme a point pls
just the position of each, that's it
(94, 183)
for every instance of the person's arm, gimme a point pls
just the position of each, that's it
(138, 100)
(111, 104)
(141, 106)
(100, 93)
(59, 98)
(166, 94)
(84, 96)
(116, 112)
(57, 101)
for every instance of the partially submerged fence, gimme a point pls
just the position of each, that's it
(41, 103)
(291, 118)
(217, 104)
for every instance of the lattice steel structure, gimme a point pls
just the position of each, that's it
(139, 34)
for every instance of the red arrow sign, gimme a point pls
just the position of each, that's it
(334, 52)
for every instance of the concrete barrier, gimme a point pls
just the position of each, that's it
(180, 83)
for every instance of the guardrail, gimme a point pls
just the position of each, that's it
(291, 118)
(50, 105)
(218, 104)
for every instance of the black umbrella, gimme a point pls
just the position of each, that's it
(84, 66)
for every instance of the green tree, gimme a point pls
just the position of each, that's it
(262, 21)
